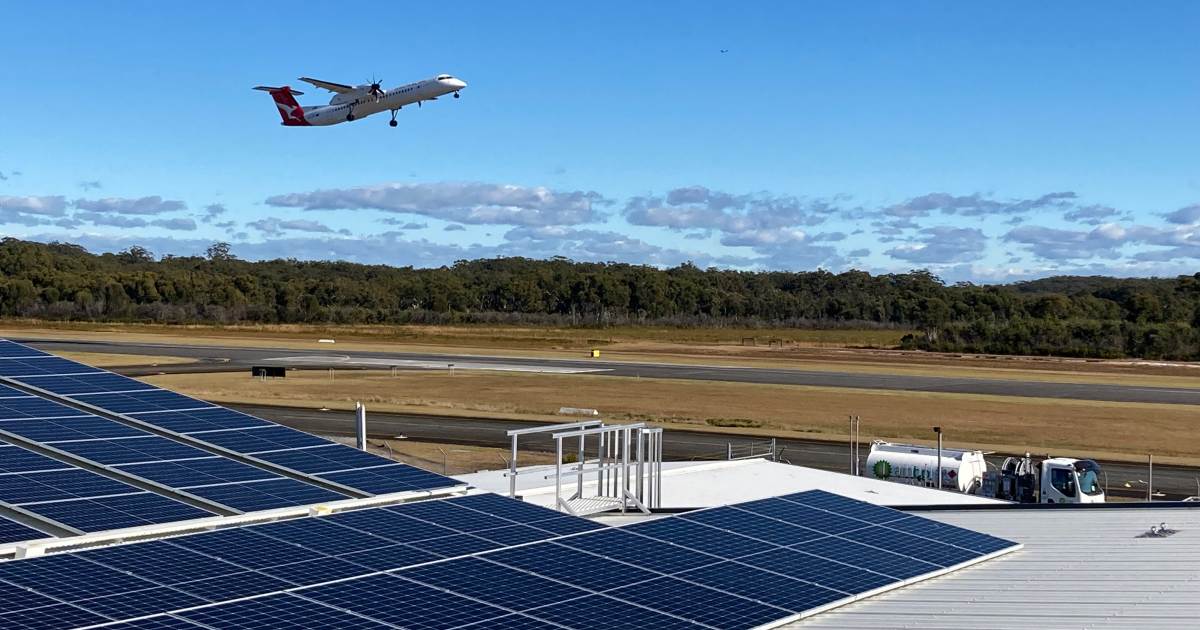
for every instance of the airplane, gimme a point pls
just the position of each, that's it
(351, 102)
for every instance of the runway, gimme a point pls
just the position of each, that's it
(1174, 482)
(219, 358)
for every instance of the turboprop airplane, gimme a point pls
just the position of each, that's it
(351, 102)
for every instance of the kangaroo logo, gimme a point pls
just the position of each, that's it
(287, 110)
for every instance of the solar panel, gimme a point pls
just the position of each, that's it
(677, 574)
(159, 459)
(409, 605)
(97, 382)
(158, 622)
(12, 531)
(115, 512)
(10, 349)
(280, 611)
(265, 441)
(77, 498)
(43, 365)
(256, 559)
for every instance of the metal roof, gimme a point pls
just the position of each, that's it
(1080, 568)
(690, 484)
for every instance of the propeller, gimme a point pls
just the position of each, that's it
(376, 89)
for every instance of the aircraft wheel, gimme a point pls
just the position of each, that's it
(391, 123)
(456, 95)
(349, 116)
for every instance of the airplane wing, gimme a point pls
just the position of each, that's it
(326, 85)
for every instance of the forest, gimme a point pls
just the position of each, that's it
(1090, 316)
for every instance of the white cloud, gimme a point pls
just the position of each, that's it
(212, 211)
(1090, 215)
(46, 206)
(138, 206)
(272, 226)
(975, 204)
(473, 203)
(179, 223)
(1186, 215)
(941, 245)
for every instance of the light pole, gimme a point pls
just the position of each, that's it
(938, 431)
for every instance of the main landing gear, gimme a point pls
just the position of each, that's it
(350, 115)
(392, 122)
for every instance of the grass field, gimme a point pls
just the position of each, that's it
(1077, 428)
(108, 360)
(482, 336)
(704, 346)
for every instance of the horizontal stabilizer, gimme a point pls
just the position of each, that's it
(267, 88)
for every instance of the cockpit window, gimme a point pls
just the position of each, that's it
(443, 77)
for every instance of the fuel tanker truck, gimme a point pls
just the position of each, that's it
(1020, 479)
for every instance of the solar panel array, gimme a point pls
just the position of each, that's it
(77, 498)
(485, 561)
(128, 581)
(126, 449)
(217, 425)
(284, 457)
(480, 561)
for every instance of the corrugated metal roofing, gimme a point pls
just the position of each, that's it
(1081, 568)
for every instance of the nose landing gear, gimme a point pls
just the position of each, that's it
(456, 95)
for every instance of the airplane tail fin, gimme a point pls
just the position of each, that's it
(285, 100)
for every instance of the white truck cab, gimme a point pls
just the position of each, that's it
(1066, 480)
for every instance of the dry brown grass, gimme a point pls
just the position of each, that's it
(704, 346)
(1080, 428)
(107, 360)
(487, 336)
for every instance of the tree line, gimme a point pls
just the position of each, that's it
(1072, 316)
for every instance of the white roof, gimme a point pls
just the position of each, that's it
(704, 484)
(1080, 568)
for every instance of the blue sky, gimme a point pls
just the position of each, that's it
(983, 142)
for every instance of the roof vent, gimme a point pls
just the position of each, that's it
(1157, 531)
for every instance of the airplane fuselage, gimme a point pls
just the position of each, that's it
(354, 102)
(363, 105)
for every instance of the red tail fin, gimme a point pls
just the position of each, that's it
(285, 100)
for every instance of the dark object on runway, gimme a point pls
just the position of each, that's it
(268, 371)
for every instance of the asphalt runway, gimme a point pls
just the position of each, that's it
(1173, 482)
(218, 358)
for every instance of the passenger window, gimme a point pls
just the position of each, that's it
(1063, 481)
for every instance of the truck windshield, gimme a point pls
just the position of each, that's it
(1089, 477)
